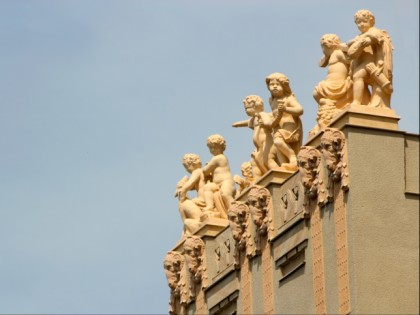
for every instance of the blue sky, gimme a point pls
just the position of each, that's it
(101, 99)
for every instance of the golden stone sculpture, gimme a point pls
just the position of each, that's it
(247, 179)
(286, 123)
(219, 191)
(191, 210)
(371, 55)
(238, 215)
(310, 169)
(263, 157)
(335, 91)
(260, 205)
(288, 242)
(194, 253)
(173, 265)
(334, 152)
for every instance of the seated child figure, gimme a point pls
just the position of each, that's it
(334, 92)
(371, 54)
(191, 210)
(221, 177)
(263, 157)
(286, 123)
(247, 179)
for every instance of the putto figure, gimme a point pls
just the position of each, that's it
(191, 210)
(334, 92)
(247, 179)
(264, 155)
(371, 54)
(286, 123)
(221, 183)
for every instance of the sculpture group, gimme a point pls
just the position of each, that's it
(359, 71)
(359, 74)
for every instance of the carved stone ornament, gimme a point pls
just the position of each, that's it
(286, 122)
(333, 147)
(310, 169)
(194, 253)
(239, 222)
(371, 55)
(219, 190)
(335, 92)
(261, 207)
(264, 157)
(191, 209)
(245, 181)
(173, 264)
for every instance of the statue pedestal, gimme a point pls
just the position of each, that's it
(360, 115)
(211, 227)
(271, 177)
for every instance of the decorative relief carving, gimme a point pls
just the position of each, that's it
(261, 207)
(173, 264)
(223, 256)
(240, 225)
(289, 202)
(333, 147)
(267, 275)
(246, 287)
(194, 253)
(341, 241)
(310, 169)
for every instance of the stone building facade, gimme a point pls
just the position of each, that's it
(348, 246)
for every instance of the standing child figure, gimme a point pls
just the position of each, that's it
(263, 158)
(371, 54)
(286, 123)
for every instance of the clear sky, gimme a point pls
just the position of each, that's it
(101, 99)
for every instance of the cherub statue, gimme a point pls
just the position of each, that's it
(222, 182)
(286, 123)
(371, 54)
(191, 210)
(247, 179)
(264, 155)
(334, 92)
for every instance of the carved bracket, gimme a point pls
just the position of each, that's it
(333, 147)
(240, 225)
(174, 265)
(194, 253)
(310, 169)
(261, 207)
